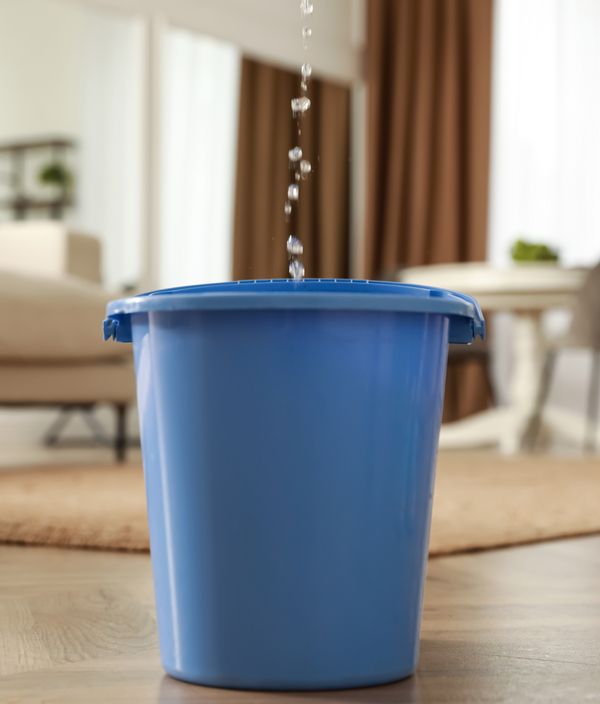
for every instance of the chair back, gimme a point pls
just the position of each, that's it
(585, 326)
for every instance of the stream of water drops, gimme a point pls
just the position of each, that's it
(300, 167)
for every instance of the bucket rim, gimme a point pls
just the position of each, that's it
(466, 318)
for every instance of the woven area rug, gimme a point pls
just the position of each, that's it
(482, 500)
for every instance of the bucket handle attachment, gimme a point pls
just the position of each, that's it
(117, 327)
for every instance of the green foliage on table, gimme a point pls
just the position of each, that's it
(524, 251)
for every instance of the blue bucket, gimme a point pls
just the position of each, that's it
(289, 435)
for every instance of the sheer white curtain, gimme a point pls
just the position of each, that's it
(545, 178)
(199, 140)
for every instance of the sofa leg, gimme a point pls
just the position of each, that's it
(121, 431)
(59, 424)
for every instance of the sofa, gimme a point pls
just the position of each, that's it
(51, 311)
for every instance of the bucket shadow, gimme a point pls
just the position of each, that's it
(175, 692)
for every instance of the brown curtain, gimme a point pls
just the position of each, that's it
(266, 133)
(428, 77)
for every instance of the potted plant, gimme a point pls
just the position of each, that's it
(58, 176)
(527, 252)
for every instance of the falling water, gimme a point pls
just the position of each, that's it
(299, 167)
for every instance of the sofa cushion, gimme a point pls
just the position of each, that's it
(76, 382)
(53, 320)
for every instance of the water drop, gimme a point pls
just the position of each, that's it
(306, 35)
(295, 154)
(294, 247)
(296, 269)
(300, 167)
(300, 105)
(306, 7)
(305, 167)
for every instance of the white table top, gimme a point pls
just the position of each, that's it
(531, 287)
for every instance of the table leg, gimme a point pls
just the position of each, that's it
(507, 426)
(479, 430)
(526, 378)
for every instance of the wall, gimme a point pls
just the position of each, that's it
(40, 43)
(268, 29)
(42, 40)
(111, 97)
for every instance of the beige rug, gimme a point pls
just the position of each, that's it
(482, 500)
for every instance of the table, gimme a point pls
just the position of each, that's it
(527, 291)
(514, 625)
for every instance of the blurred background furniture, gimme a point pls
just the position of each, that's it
(461, 357)
(525, 291)
(14, 158)
(584, 332)
(51, 348)
(477, 353)
(50, 249)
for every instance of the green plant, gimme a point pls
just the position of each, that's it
(55, 173)
(524, 251)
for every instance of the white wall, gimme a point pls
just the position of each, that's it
(40, 47)
(111, 104)
(268, 29)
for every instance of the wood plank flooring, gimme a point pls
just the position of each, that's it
(517, 625)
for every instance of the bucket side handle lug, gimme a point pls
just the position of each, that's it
(465, 330)
(117, 327)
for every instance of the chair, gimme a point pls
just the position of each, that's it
(584, 333)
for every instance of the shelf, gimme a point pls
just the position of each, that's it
(35, 144)
(35, 203)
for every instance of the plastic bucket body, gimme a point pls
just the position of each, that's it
(289, 450)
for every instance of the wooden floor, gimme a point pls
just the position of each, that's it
(517, 625)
